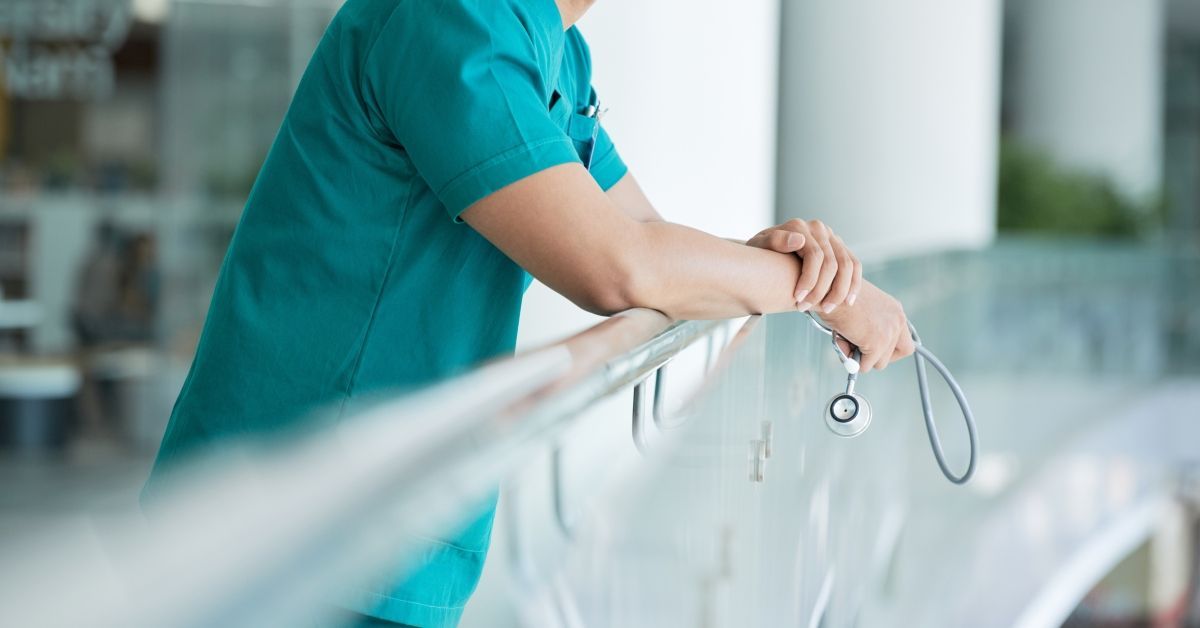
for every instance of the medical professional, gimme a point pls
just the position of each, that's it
(435, 156)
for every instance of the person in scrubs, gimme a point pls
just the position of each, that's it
(436, 155)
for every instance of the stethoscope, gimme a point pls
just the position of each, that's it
(848, 414)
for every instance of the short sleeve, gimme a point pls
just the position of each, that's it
(462, 86)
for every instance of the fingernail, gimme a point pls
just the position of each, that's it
(829, 308)
(803, 307)
(795, 240)
(850, 300)
(800, 296)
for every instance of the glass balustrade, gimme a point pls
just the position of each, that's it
(737, 507)
(754, 514)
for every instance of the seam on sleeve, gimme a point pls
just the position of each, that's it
(503, 156)
(365, 79)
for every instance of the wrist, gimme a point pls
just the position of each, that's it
(868, 299)
(839, 315)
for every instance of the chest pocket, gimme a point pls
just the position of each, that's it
(578, 127)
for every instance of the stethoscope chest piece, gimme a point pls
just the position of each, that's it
(848, 414)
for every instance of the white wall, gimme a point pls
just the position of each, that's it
(691, 91)
(1088, 85)
(889, 121)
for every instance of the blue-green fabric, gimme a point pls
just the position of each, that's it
(349, 275)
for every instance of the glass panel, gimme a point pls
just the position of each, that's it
(755, 514)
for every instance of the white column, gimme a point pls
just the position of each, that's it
(888, 121)
(1087, 85)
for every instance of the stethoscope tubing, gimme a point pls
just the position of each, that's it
(922, 355)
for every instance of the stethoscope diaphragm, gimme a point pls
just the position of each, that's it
(848, 414)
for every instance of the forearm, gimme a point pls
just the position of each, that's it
(561, 228)
(689, 274)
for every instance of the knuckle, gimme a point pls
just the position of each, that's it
(794, 224)
(817, 226)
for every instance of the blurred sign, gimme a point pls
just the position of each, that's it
(61, 49)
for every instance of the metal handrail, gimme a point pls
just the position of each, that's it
(564, 519)
(347, 497)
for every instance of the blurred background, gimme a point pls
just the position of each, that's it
(132, 130)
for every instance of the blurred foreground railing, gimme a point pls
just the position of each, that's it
(267, 534)
(743, 509)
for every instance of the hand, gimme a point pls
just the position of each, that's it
(877, 325)
(830, 274)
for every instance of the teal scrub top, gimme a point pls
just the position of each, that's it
(349, 274)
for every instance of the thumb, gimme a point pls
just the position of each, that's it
(778, 240)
